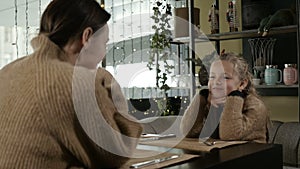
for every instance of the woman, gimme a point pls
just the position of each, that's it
(230, 109)
(51, 100)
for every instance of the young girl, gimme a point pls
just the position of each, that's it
(230, 108)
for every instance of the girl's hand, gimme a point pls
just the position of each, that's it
(237, 93)
(216, 101)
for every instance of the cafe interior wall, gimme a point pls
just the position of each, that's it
(283, 108)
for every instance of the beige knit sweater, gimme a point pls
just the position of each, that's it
(39, 128)
(241, 119)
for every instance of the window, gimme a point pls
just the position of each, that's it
(14, 36)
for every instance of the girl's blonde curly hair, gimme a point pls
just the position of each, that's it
(241, 68)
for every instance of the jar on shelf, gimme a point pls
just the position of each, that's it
(290, 74)
(273, 75)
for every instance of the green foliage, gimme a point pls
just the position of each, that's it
(160, 42)
(160, 50)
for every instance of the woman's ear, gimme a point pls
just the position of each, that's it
(243, 84)
(87, 33)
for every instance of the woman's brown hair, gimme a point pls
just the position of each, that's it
(65, 20)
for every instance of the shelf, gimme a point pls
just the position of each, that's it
(272, 90)
(184, 40)
(252, 33)
(275, 86)
(237, 35)
(277, 90)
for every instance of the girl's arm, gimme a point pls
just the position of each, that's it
(193, 118)
(243, 118)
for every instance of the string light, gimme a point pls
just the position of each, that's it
(153, 111)
(141, 37)
(40, 8)
(149, 12)
(123, 42)
(27, 25)
(16, 27)
(112, 25)
(131, 29)
(102, 6)
(124, 45)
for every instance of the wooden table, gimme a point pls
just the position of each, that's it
(243, 156)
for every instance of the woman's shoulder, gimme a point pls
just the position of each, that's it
(20, 63)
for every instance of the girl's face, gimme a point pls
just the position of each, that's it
(223, 79)
(94, 50)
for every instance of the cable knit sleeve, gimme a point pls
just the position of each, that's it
(244, 119)
(193, 118)
(127, 124)
(63, 116)
(95, 128)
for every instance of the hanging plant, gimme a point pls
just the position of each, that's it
(160, 43)
(160, 52)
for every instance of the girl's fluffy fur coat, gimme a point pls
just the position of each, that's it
(241, 119)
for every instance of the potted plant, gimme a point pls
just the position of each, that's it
(256, 79)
